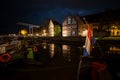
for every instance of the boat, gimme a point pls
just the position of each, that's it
(8, 51)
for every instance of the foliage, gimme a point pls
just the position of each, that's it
(57, 30)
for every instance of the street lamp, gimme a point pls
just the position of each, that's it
(23, 32)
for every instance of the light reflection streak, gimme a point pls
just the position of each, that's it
(51, 50)
(66, 51)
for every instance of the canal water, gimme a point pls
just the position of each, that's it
(60, 61)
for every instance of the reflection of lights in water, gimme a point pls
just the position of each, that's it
(44, 45)
(37, 34)
(66, 51)
(30, 54)
(51, 47)
(114, 48)
(65, 47)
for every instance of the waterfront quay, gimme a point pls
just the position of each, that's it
(59, 39)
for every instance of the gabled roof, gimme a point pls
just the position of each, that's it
(76, 18)
(46, 22)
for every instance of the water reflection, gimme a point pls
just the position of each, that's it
(114, 49)
(30, 54)
(62, 53)
(106, 49)
(51, 50)
(50, 53)
(66, 51)
(44, 45)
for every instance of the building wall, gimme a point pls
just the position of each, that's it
(74, 26)
(69, 27)
(51, 29)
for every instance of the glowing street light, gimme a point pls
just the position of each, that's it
(23, 32)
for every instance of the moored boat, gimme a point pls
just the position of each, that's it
(9, 50)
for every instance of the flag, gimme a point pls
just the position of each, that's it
(88, 45)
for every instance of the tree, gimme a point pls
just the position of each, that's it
(57, 30)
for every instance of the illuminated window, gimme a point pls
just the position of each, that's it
(65, 33)
(73, 33)
(69, 20)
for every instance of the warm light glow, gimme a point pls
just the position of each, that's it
(66, 52)
(66, 49)
(44, 45)
(23, 32)
(52, 47)
(114, 48)
(84, 33)
(44, 33)
(37, 34)
(51, 29)
(64, 33)
(51, 32)
(115, 31)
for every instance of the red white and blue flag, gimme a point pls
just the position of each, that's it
(88, 45)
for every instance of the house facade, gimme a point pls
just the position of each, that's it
(69, 27)
(101, 24)
(75, 26)
(51, 28)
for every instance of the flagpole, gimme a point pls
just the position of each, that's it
(88, 46)
(87, 49)
(85, 21)
(79, 66)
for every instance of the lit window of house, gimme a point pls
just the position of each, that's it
(65, 33)
(73, 33)
(69, 20)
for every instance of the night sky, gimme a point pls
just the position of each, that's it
(36, 11)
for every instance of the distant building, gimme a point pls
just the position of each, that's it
(51, 28)
(106, 23)
(102, 24)
(48, 28)
(75, 26)
(69, 27)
